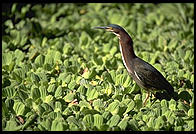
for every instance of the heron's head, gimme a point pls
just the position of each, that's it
(116, 29)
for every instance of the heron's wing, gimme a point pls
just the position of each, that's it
(151, 76)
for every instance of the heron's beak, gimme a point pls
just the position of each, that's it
(105, 27)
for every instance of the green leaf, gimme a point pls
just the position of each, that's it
(19, 55)
(11, 125)
(72, 119)
(51, 88)
(19, 108)
(113, 74)
(161, 41)
(171, 119)
(164, 103)
(8, 91)
(49, 58)
(83, 104)
(92, 94)
(48, 99)
(113, 50)
(39, 60)
(172, 104)
(127, 81)
(68, 79)
(89, 111)
(81, 89)
(43, 91)
(107, 115)
(181, 52)
(72, 84)
(97, 104)
(188, 55)
(172, 44)
(62, 77)
(133, 125)
(183, 107)
(113, 107)
(178, 128)
(44, 41)
(69, 97)
(57, 57)
(4, 109)
(57, 125)
(191, 124)
(40, 110)
(67, 48)
(9, 24)
(123, 123)
(58, 107)
(151, 122)
(113, 120)
(130, 107)
(191, 112)
(46, 124)
(35, 78)
(59, 92)
(18, 75)
(35, 93)
(88, 120)
(98, 120)
(89, 73)
(159, 122)
(7, 59)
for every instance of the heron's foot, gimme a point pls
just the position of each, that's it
(145, 101)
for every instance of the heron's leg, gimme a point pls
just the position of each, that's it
(146, 98)
(153, 99)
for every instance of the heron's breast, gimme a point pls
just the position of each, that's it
(126, 59)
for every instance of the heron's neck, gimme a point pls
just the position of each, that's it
(126, 48)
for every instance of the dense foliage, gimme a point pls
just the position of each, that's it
(58, 73)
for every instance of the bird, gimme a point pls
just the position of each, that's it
(144, 74)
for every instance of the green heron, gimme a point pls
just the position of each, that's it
(144, 74)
